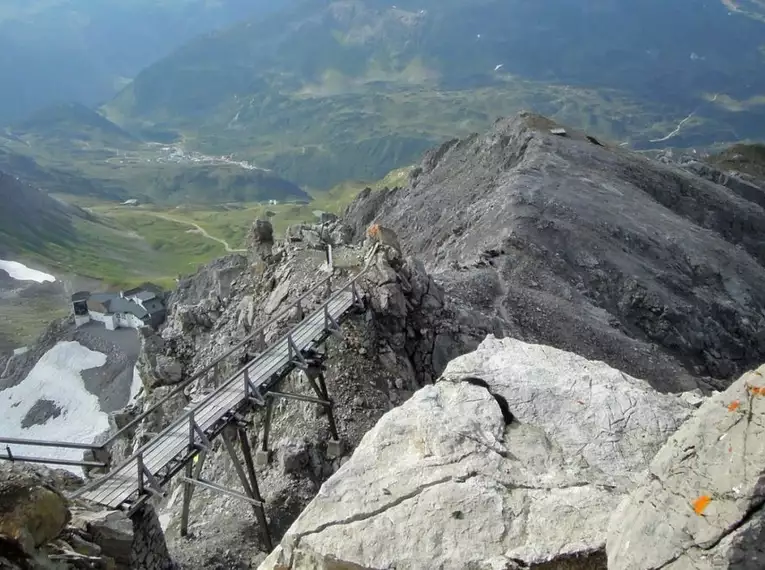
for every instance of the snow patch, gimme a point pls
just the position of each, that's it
(136, 386)
(21, 272)
(56, 377)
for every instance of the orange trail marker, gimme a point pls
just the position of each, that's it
(700, 504)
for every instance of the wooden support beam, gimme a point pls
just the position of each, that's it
(299, 397)
(204, 442)
(260, 513)
(357, 300)
(330, 324)
(153, 486)
(312, 381)
(193, 471)
(294, 354)
(330, 409)
(235, 461)
(219, 489)
(251, 392)
(72, 462)
(250, 486)
(267, 423)
(48, 443)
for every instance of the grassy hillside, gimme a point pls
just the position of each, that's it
(326, 91)
(747, 158)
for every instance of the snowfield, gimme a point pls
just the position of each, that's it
(56, 377)
(21, 272)
(135, 387)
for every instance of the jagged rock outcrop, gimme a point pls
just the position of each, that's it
(749, 189)
(41, 530)
(155, 364)
(702, 505)
(260, 240)
(330, 230)
(515, 459)
(110, 531)
(403, 341)
(588, 248)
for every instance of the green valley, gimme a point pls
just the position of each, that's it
(72, 149)
(322, 92)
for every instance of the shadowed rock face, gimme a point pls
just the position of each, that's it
(588, 248)
(32, 512)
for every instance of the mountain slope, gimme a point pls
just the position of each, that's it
(389, 82)
(79, 50)
(71, 149)
(122, 248)
(590, 248)
(30, 220)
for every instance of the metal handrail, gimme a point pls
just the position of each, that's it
(46, 443)
(180, 387)
(176, 390)
(187, 415)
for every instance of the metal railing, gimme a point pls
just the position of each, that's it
(326, 282)
(146, 480)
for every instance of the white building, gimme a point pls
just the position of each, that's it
(135, 308)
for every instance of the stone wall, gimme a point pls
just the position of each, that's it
(149, 547)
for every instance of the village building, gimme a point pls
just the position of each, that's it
(134, 308)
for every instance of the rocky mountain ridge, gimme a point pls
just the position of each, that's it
(590, 248)
(525, 445)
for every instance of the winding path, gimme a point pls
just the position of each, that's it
(198, 228)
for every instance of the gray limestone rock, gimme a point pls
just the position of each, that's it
(522, 466)
(169, 369)
(592, 249)
(262, 231)
(701, 505)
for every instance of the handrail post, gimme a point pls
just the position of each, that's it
(356, 297)
(139, 462)
(191, 431)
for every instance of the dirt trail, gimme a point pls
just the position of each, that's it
(199, 229)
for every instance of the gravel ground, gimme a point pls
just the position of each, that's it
(111, 382)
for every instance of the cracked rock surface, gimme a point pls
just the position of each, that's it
(444, 481)
(701, 505)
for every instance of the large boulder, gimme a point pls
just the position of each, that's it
(701, 505)
(517, 456)
(32, 512)
(110, 531)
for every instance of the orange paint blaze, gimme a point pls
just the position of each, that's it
(700, 504)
